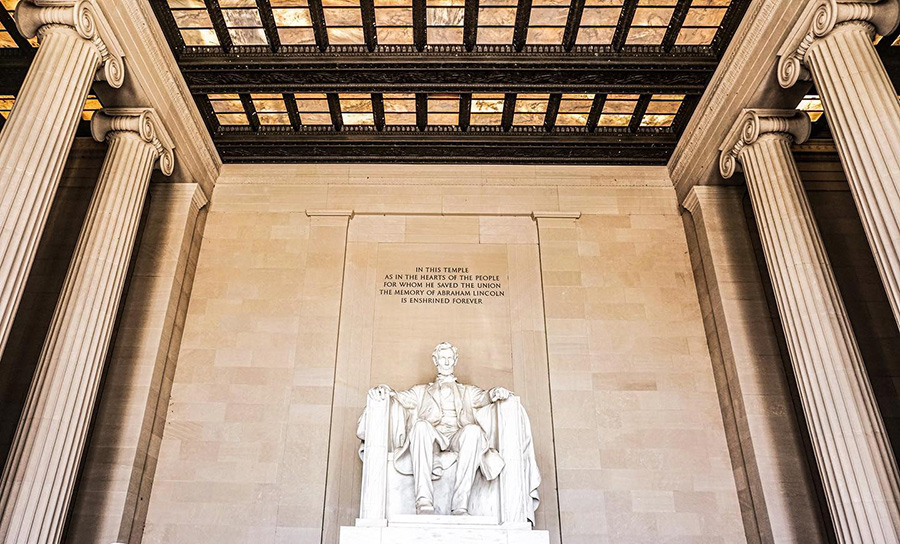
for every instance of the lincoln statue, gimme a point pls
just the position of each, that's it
(441, 427)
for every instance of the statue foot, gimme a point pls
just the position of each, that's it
(424, 508)
(460, 512)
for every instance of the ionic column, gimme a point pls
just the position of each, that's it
(852, 450)
(39, 476)
(832, 44)
(75, 43)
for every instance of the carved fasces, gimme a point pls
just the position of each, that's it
(751, 125)
(819, 19)
(145, 123)
(33, 17)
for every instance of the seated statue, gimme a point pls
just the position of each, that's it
(433, 426)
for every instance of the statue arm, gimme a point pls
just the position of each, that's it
(407, 399)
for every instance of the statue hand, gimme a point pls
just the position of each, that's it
(380, 392)
(499, 393)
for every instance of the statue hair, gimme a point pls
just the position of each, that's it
(441, 347)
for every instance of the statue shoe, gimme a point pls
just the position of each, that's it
(460, 512)
(424, 507)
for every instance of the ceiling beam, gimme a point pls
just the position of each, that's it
(638, 73)
(596, 110)
(573, 23)
(675, 24)
(465, 111)
(523, 16)
(269, 27)
(317, 17)
(639, 110)
(218, 22)
(624, 25)
(420, 24)
(470, 24)
(367, 11)
(534, 147)
(552, 111)
(290, 103)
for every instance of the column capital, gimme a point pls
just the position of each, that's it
(86, 18)
(145, 123)
(819, 19)
(754, 123)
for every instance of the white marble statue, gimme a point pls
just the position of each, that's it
(443, 430)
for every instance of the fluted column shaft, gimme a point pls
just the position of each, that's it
(852, 450)
(38, 480)
(863, 112)
(38, 135)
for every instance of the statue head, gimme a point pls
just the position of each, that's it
(444, 357)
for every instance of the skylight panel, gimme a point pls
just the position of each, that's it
(812, 104)
(229, 109)
(574, 109)
(91, 106)
(547, 23)
(313, 109)
(702, 22)
(6, 104)
(496, 21)
(6, 40)
(356, 109)
(243, 22)
(343, 22)
(651, 19)
(487, 109)
(661, 110)
(399, 109)
(618, 110)
(443, 109)
(270, 109)
(598, 22)
(393, 22)
(444, 19)
(293, 21)
(193, 22)
(531, 109)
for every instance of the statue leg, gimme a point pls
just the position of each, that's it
(421, 450)
(470, 443)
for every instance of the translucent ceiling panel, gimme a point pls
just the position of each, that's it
(548, 22)
(702, 22)
(243, 22)
(651, 19)
(343, 21)
(270, 109)
(393, 22)
(812, 105)
(229, 109)
(661, 110)
(443, 109)
(6, 104)
(618, 110)
(574, 109)
(91, 106)
(193, 22)
(487, 109)
(293, 21)
(356, 109)
(313, 108)
(531, 109)
(496, 21)
(399, 108)
(445, 21)
(598, 22)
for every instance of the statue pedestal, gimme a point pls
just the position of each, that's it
(412, 529)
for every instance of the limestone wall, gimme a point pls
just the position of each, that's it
(599, 330)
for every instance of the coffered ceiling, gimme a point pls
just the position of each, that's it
(519, 81)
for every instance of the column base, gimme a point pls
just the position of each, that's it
(411, 529)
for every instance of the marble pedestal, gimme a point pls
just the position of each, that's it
(413, 529)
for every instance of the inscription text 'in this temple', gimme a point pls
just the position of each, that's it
(442, 285)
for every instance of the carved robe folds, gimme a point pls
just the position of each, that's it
(505, 491)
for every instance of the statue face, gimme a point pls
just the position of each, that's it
(445, 361)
